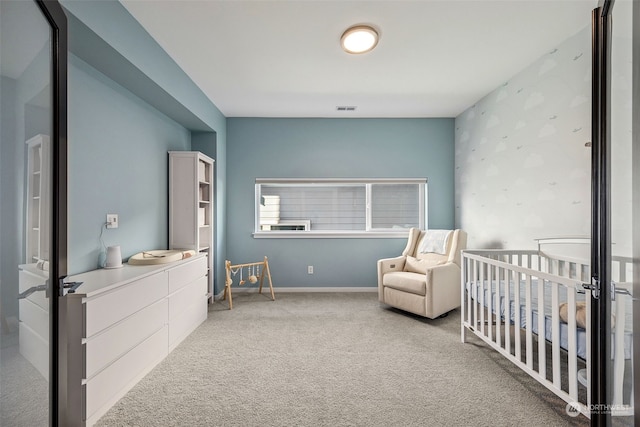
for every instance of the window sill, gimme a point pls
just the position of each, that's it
(331, 234)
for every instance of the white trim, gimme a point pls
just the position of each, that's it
(315, 289)
(341, 180)
(403, 233)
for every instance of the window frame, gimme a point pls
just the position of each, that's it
(369, 232)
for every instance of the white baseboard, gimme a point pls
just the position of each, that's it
(281, 290)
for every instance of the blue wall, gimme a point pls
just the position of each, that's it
(117, 164)
(337, 148)
(21, 118)
(115, 44)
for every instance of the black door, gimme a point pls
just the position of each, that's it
(33, 68)
(615, 219)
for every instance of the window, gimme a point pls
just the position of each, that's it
(339, 207)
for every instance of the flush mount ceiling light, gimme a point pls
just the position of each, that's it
(359, 39)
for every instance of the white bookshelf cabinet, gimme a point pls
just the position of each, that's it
(37, 218)
(191, 205)
(34, 308)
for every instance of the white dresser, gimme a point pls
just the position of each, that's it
(34, 318)
(123, 322)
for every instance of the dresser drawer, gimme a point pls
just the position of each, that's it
(107, 346)
(34, 349)
(187, 322)
(27, 280)
(35, 317)
(185, 297)
(109, 385)
(106, 309)
(184, 274)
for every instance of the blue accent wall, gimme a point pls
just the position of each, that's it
(124, 64)
(21, 118)
(332, 148)
(117, 164)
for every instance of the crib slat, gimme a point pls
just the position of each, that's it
(507, 309)
(542, 351)
(471, 283)
(555, 334)
(463, 273)
(528, 322)
(572, 344)
(516, 307)
(490, 301)
(482, 299)
(618, 352)
(474, 307)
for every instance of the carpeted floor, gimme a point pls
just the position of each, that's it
(339, 359)
(24, 399)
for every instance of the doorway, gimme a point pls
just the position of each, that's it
(32, 207)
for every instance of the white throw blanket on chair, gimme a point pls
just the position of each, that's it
(435, 241)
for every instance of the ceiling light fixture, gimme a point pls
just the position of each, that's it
(359, 39)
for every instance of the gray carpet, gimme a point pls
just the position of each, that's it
(24, 392)
(340, 359)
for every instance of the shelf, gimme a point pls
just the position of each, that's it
(191, 203)
(38, 193)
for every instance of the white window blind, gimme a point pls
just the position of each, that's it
(395, 206)
(343, 207)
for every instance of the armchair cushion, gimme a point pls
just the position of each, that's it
(416, 265)
(408, 282)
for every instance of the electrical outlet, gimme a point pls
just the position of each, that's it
(112, 220)
(310, 269)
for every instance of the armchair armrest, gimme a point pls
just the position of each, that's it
(391, 264)
(388, 265)
(443, 289)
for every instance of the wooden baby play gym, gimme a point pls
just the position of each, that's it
(256, 272)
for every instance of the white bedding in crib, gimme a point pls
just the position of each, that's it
(562, 297)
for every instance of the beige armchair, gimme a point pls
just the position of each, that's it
(425, 279)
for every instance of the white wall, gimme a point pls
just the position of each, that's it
(522, 170)
(621, 129)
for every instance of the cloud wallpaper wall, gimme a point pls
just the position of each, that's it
(621, 129)
(522, 167)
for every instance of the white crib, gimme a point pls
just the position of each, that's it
(504, 291)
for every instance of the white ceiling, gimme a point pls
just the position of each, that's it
(282, 58)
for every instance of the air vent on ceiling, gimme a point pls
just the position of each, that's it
(346, 108)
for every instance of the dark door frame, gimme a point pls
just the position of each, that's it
(600, 216)
(57, 20)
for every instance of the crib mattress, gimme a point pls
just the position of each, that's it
(581, 336)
